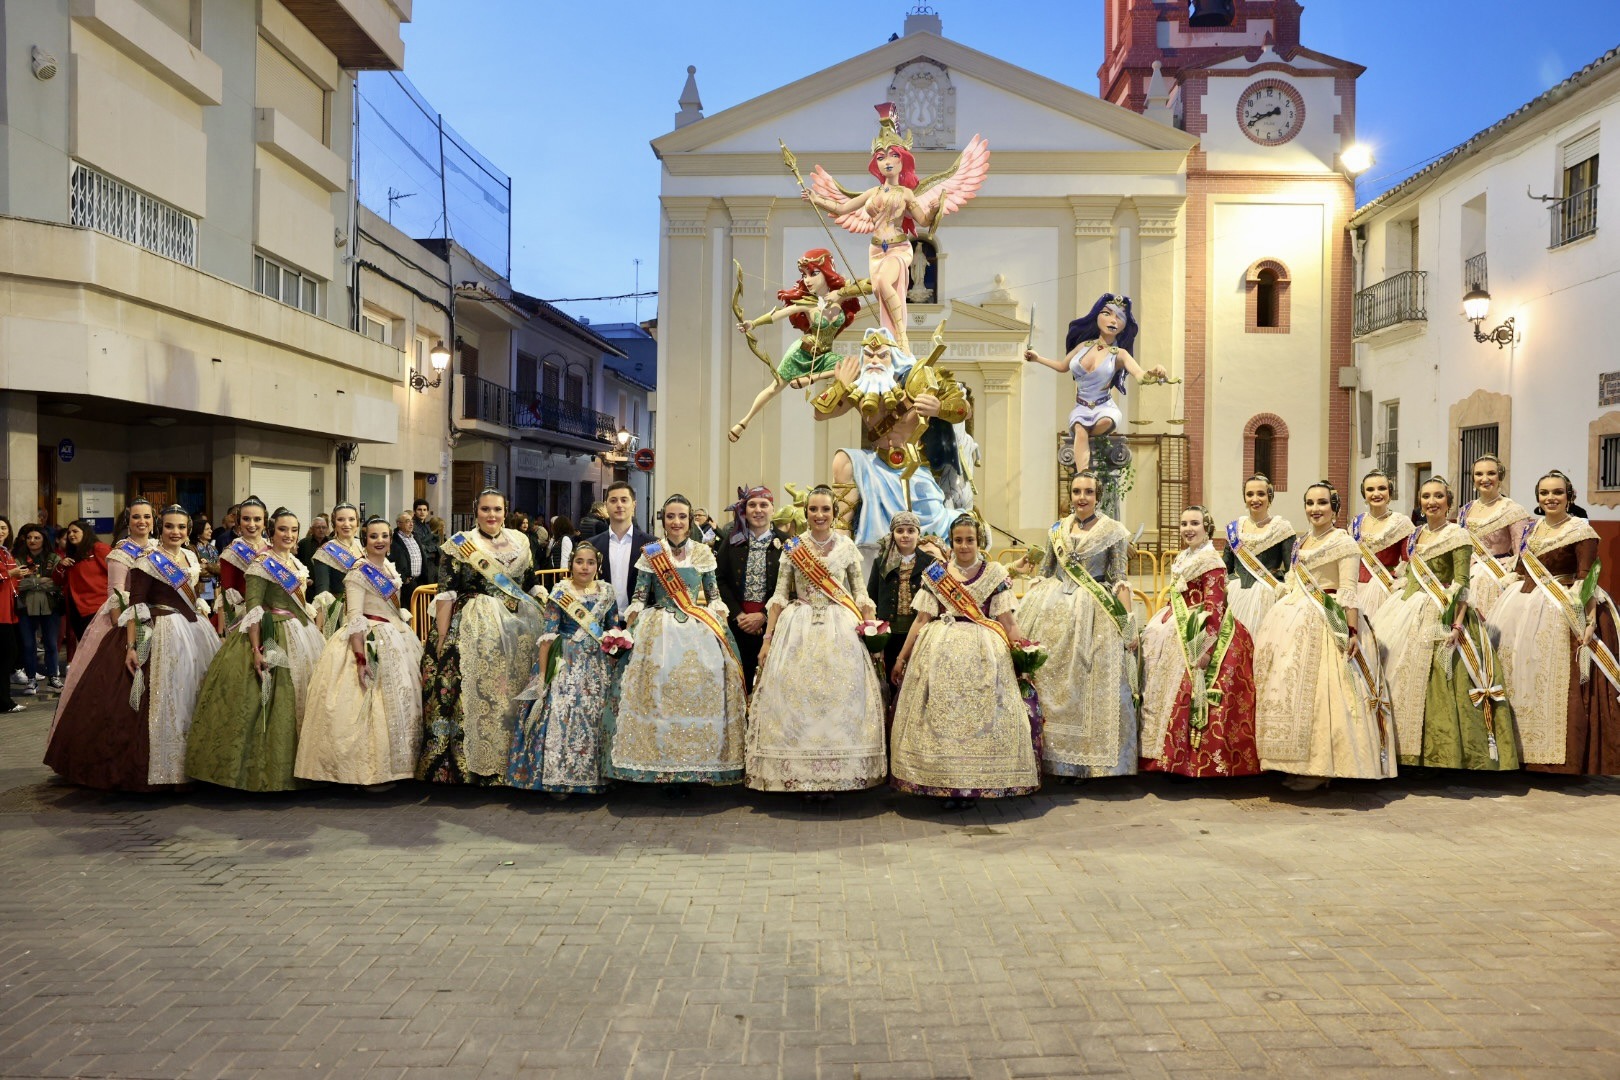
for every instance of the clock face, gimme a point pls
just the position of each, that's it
(1270, 112)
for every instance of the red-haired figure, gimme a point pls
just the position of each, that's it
(891, 211)
(819, 305)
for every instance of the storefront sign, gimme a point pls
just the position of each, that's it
(96, 503)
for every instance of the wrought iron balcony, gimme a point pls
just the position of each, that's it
(489, 402)
(566, 418)
(1476, 275)
(1574, 217)
(1395, 300)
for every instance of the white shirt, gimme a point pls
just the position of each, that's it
(415, 553)
(620, 550)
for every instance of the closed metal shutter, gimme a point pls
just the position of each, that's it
(283, 86)
(291, 486)
(1582, 148)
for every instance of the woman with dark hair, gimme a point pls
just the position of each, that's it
(82, 572)
(1098, 355)
(1557, 629)
(1080, 611)
(1323, 705)
(330, 565)
(363, 722)
(815, 723)
(10, 647)
(558, 745)
(125, 724)
(681, 704)
(479, 650)
(1198, 693)
(563, 538)
(236, 557)
(1258, 546)
(1444, 679)
(202, 546)
(40, 607)
(1497, 527)
(962, 728)
(896, 580)
(1381, 535)
(252, 700)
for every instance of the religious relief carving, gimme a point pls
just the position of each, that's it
(925, 102)
(924, 273)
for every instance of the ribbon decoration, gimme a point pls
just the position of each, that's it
(961, 600)
(341, 557)
(383, 585)
(1193, 640)
(466, 550)
(1250, 561)
(1338, 622)
(129, 549)
(1477, 658)
(664, 570)
(572, 604)
(1369, 558)
(813, 568)
(1078, 574)
(240, 553)
(1573, 615)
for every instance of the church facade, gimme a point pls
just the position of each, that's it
(1226, 227)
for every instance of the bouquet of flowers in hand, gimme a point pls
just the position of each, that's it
(874, 634)
(1027, 656)
(615, 642)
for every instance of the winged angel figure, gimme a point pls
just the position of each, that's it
(891, 211)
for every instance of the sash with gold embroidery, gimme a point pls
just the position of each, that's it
(379, 582)
(663, 568)
(1078, 574)
(1192, 633)
(816, 570)
(463, 548)
(338, 555)
(129, 549)
(1250, 561)
(573, 605)
(1492, 563)
(1477, 658)
(1369, 558)
(240, 554)
(1337, 619)
(1573, 612)
(961, 600)
(172, 574)
(280, 573)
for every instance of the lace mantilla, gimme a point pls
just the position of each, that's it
(1481, 520)
(1378, 535)
(1431, 545)
(1193, 564)
(1548, 538)
(1264, 538)
(1337, 545)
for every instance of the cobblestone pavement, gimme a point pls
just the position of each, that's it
(1136, 927)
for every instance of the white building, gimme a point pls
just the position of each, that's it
(175, 227)
(1229, 237)
(1515, 211)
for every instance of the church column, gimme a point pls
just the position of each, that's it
(19, 460)
(1093, 249)
(1000, 438)
(1156, 296)
(689, 408)
(757, 457)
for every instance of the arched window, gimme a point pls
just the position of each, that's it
(1265, 445)
(1265, 286)
(1265, 448)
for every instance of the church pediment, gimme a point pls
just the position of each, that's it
(1016, 109)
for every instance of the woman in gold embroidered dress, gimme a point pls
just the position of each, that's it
(1321, 710)
(681, 705)
(962, 731)
(1444, 680)
(1548, 625)
(1080, 613)
(1382, 532)
(815, 723)
(326, 570)
(1499, 525)
(1269, 540)
(479, 650)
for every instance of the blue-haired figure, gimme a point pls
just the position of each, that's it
(1098, 355)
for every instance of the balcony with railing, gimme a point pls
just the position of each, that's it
(1397, 299)
(495, 404)
(1476, 275)
(1574, 217)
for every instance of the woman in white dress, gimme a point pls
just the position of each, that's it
(681, 704)
(480, 650)
(1323, 707)
(962, 728)
(363, 722)
(1080, 613)
(1257, 550)
(330, 564)
(816, 719)
(1381, 534)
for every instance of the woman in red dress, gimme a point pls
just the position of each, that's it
(1198, 702)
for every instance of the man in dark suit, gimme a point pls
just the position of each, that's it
(409, 558)
(621, 542)
(747, 562)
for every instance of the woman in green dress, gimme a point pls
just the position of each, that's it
(1444, 677)
(245, 731)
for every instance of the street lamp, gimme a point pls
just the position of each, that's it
(623, 436)
(1476, 307)
(1356, 158)
(439, 357)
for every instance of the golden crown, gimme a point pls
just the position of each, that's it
(888, 129)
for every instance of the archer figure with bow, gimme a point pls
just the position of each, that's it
(820, 305)
(890, 212)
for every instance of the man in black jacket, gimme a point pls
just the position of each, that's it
(409, 556)
(621, 542)
(431, 541)
(748, 560)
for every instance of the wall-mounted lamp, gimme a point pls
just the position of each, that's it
(1356, 158)
(623, 436)
(1476, 306)
(439, 357)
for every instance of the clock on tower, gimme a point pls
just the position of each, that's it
(1270, 112)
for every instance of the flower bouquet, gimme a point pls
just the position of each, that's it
(874, 635)
(1028, 656)
(615, 642)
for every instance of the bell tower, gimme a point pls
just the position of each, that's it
(1193, 31)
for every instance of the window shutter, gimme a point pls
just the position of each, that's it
(283, 86)
(1582, 148)
(284, 485)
